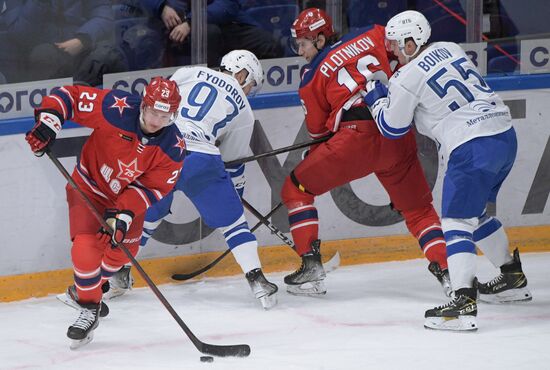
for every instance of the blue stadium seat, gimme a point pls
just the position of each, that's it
(9, 63)
(510, 47)
(502, 64)
(247, 4)
(525, 17)
(276, 19)
(445, 27)
(361, 13)
(142, 44)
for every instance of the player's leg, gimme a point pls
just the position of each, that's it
(411, 196)
(345, 157)
(511, 284)
(121, 281)
(304, 226)
(115, 265)
(469, 167)
(206, 183)
(86, 255)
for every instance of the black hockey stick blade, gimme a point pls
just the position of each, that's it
(235, 350)
(191, 275)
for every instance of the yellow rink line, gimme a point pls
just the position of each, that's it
(277, 258)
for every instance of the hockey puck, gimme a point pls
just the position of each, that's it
(207, 359)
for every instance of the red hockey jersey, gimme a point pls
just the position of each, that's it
(118, 162)
(333, 80)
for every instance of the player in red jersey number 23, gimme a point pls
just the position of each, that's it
(131, 160)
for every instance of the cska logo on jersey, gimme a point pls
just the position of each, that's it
(180, 144)
(120, 104)
(128, 172)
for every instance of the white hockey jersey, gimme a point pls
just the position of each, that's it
(442, 92)
(214, 115)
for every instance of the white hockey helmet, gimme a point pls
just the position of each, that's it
(237, 60)
(409, 24)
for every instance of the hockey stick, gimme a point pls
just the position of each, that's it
(329, 266)
(237, 350)
(181, 277)
(277, 151)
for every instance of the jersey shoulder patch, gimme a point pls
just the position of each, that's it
(172, 143)
(121, 109)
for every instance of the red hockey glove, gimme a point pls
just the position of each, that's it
(44, 132)
(119, 223)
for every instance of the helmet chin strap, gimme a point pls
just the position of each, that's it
(315, 43)
(409, 57)
(141, 120)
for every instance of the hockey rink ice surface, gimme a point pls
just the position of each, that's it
(371, 318)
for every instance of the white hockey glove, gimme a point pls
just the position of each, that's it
(376, 97)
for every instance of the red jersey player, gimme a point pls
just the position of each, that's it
(131, 160)
(330, 91)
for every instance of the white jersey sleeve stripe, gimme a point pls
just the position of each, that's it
(387, 130)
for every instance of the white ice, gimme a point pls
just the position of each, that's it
(371, 318)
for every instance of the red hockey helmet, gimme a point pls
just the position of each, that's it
(310, 23)
(162, 94)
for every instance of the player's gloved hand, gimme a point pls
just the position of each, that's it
(375, 90)
(44, 132)
(119, 222)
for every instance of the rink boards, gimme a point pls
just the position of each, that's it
(354, 219)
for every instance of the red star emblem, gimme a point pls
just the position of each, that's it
(128, 172)
(180, 144)
(120, 104)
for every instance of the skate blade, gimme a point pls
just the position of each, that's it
(268, 301)
(508, 296)
(309, 289)
(64, 298)
(78, 343)
(461, 323)
(114, 292)
(333, 263)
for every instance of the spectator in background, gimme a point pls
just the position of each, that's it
(228, 28)
(63, 38)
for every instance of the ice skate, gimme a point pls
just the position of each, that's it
(82, 331)
(457, 315)
(308, 279)
(121, 282)
(70, 298)
(442, 276)
(262, 289)
(509, 286)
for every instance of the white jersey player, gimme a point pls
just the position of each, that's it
(443, 94)
(216, 120)
(216, 117)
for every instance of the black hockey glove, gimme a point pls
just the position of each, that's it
(44, 132)
(119, 223)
